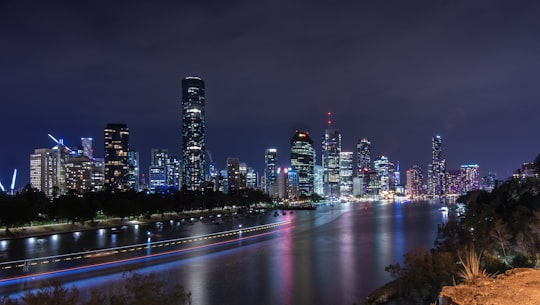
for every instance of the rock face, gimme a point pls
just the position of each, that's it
(517, 286)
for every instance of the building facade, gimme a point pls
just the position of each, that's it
(303, 161)
(331, 147)
(346, 173)
(116, 138)
(270, 171)
(193, 133)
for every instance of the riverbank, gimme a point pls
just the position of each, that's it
(65, 227)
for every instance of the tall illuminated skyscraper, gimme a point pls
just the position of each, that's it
(437, 169)
(303, 161)
(331, 147)
(193, 133)
(116, 138)
(270, 168)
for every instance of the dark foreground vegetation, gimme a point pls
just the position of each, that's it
(496, 231)
(137, 290)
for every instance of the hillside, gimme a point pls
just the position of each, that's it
(517, 286)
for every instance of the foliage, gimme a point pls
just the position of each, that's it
(139, 290)
(471, 268)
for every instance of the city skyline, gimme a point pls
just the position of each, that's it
(396, 74)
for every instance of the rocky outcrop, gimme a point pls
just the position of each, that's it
(517, 286)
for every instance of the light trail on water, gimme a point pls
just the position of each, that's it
(120, 262)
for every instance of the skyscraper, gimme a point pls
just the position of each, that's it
(193, 133)
(270, 163)
(303, 161)
(133, 170)
(116, 138)
(437, 169)
(331, 147)
(415, 181)
(364, 156)
(233, 174)
(346, 173)
(43, 170)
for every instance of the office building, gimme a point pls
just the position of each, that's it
(43, 170)
(363, 156)
(116, 138)
(331, 147)
(303, 161)
(270, 167)
(346, 173)
(233, 175)
(193, 133)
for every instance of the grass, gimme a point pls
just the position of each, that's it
(471, 267)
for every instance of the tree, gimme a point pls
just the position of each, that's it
(499, 234)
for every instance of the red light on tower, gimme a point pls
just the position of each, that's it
(329, 120)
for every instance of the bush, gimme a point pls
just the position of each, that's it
(523, 261)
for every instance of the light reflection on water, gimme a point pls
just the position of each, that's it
(335, 255)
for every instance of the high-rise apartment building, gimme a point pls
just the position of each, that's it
(303, 161)
(270, 170)
(331, 147)
(116, 138)
(193, 133)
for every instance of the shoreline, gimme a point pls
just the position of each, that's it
(60, 228)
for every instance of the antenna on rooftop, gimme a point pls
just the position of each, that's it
(329, 118)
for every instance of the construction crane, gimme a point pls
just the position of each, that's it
(59, 145)
(13, 182)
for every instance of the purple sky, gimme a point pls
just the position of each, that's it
(397, 72)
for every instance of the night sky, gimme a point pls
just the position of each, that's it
(397, 72)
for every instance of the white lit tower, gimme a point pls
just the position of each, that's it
(193, 133)
(331, 148)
